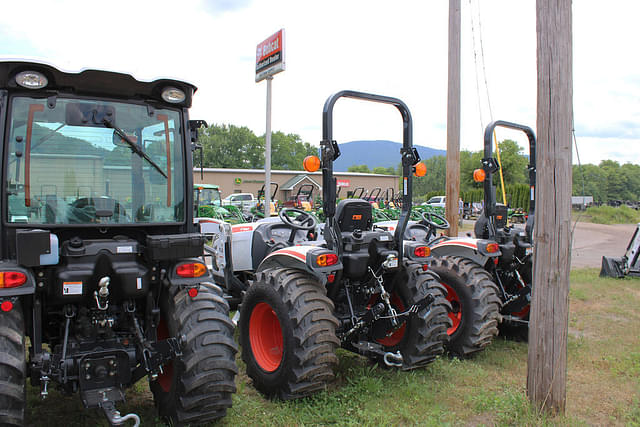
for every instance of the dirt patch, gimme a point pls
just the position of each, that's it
(593, 241)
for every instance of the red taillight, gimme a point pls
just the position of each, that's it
(422, 251)
(325, 260)
(493, 248)
(195, 269)
(193, 292)
(6, 306)
(12, 279)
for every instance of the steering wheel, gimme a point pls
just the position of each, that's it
(427, 219)
(303, 221)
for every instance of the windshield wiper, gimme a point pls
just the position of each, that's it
(134, 147)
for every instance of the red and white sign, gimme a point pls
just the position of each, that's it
(270, 56)
(343, 182)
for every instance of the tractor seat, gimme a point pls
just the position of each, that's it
(354, 214)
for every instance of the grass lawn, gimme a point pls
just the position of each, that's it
(603, 380)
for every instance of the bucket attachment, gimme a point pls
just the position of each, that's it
(629, 264)
(613, 267)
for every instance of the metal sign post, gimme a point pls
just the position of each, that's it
(267, 154)
(269, 61)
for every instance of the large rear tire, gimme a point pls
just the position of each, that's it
(422, 338)
(13, 367)
(475, 305)
(196, 388)
(287, 334)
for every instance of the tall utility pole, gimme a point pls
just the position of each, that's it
(547, 363)
(453, 120)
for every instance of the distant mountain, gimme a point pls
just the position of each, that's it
(376, 153)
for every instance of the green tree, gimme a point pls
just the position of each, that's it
(381, 170)
(514, 163)
(229, 146)
(359, 168)
(434, 180)
(589, 180)
(469, 161)
(615, 184)
(288, 151)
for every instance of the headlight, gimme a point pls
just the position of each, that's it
(31, 80)
(173, 95)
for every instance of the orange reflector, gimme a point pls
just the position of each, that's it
(479, 175)
(493, 248)
(193, 292)
(420, 169)
(422, 251)
(311, 163)
(195, 269)
(6, 306)
(12, 279)
(325, 260)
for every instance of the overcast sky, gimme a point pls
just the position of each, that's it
(396, 49)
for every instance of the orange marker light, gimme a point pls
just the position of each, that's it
(191, 270)
(420, 169)
(422, 251)
(12, 279)
(311, 163)
(493, 248)
(325, 260)
(479, 175)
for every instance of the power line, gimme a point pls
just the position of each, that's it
(484, 71)
(475, 66)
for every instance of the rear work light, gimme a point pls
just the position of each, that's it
(12, 279)
(194, 269)
(31, 80)
(422, 251)
(325, 260)
(493, 248)
(173, 95)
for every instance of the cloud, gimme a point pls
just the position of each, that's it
(399, 50)
(216, 7)
(620, 130)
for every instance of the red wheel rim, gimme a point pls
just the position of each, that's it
(396, 337)
(456, 313)
(165, 379)
(522, 313)
(265, 336)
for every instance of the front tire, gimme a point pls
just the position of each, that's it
(13, 367)
(287, 334)
(196, 388)
(422, 338)
(475, 304)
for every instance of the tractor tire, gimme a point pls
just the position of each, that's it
(287, 334)
(475, 305)
(422, 338)
(196, 387)
(13, 367)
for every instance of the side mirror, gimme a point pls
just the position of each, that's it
(194, 125)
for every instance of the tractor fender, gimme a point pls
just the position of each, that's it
(303, 258)
(467, 247)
